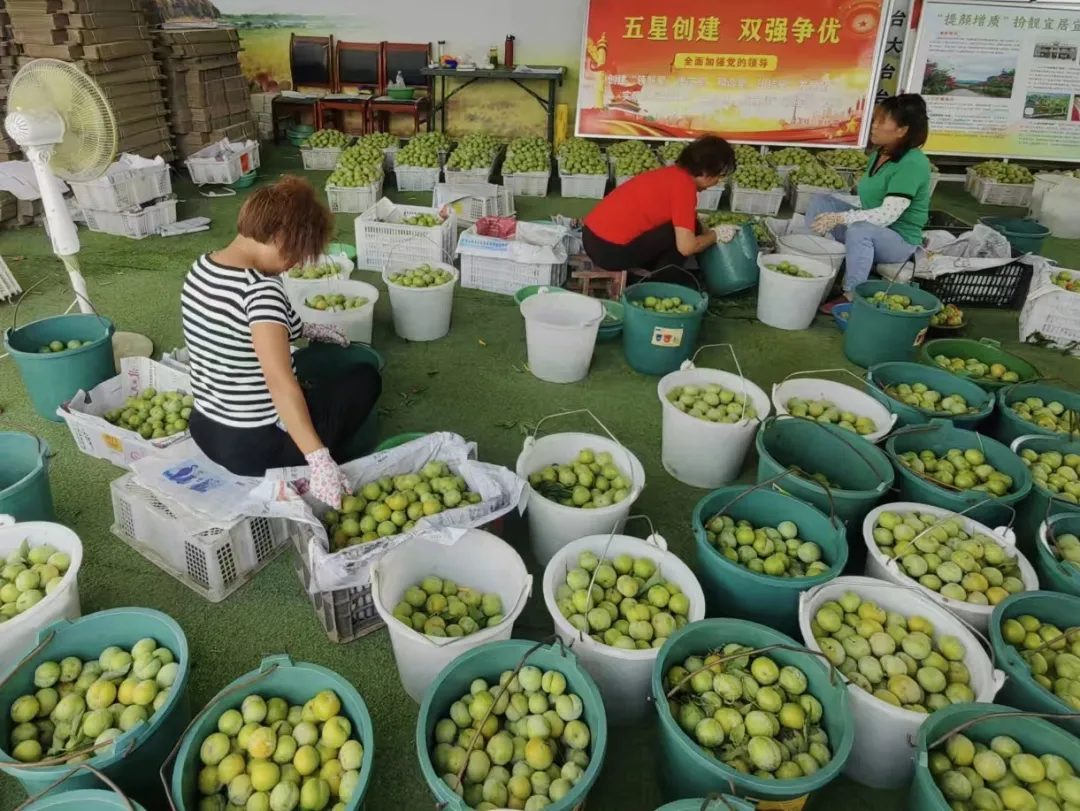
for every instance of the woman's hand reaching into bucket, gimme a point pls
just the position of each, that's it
(825, 223)
(327, 482)
(325, 333)
(725, 233)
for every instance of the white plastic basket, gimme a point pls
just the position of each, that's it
(322, 159)
(214, 560)
(121, 189)
(416, 178)
(212, 165)
(802, 193)
(97, 437)
(474, 207)
(1054, 314)
(528, 184)
(497, 273)
(754, 201)
(353, 199)
(381, 230)
(991, 193)
(586, 187)
(481, 175)
(709, 199)
(136, 223)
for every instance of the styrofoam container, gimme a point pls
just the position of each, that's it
(20, 632)
(623, 676)
(846, 398)
(885, 734)
(885, 568)
(479, 560)
(560, 335)
(789, 302)
(702, 453)
(422, 313)
(357, 324)
(551, 525)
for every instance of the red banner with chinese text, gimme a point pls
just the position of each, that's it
(795, 72)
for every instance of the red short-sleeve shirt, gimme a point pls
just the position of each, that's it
(644, 203)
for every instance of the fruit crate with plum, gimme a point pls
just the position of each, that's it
(583, 169)
(98, 420)
(473, 159)
(354, 199)
(323, 148)
(995, 183)
(211, 559)
(756, 188)
(403, 235)
(790, 158)
(811, 179)
(1052, 311)
(527, 168)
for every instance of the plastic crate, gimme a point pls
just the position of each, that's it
(482, 175)
(802, 193)
(382, 237)
(500, 276)
(345, 614)
(416, 178)
(528, 184)
(586, 187)
(991, 193)
(1003, 287)
(472, 208)
(754, 201)
(221, 164)
(620, 179)
(1054, 316)
(213, 560)
(322, 159)
(121, 189)
(353, 199)
(709, 199)
(137, 223)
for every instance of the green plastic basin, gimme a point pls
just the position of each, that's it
(612, 326)
(1026, 236)
(1041, 504)
(734, 590)
(724, 802)
(1010, 425)
(876, 335)
(732, 267)
(24, 478)
(1036, 736)
(399, 439)
(941, 435)
(297, 683)
(892, 374)
(533, 289)
(488, 662)
(985, 350)
(136, 756)
(84, 800)
(1054, 574)
(657, 343)
(686, 771)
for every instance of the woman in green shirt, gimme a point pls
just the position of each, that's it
(894, 193)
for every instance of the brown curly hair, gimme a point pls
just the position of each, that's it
(289, 215)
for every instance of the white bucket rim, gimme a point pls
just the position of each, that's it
(751, 389)
(1044, 540)
(363, 289)
(440, 288)
(820, 269)
(24, 530)
(539, 301)
(344, 264)
(778, 403)
(826, 244)
(1001, 535)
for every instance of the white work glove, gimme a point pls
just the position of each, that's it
(825, 223)
(725, 233)
(327, 482)
(325, 333)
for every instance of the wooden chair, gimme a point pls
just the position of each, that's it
(309, 67)
(356, 66)
(408, 59)
(588, 279)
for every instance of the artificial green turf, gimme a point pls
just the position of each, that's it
(472, 382)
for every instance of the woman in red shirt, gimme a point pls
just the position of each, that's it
(650, 222)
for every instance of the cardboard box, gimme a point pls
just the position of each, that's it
(97, 68)
(72, 6)
(23, 20)
(116, 19)
(139, 112)
(196, 36)
(149, 135)
(133, 76)
(99, 36)
(102, 52)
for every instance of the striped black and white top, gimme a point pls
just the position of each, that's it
(218, 306)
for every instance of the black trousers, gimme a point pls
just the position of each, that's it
(339, 406)
(651, 250)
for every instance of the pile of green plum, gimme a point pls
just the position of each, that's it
(327, 139)
(356, 175)
(712, 402)
(528, 155)
(776, 551)
(381, 140)
(671, 150)
(972, 775)
(942, 557)
(423, 276)
(790, 269)
(578, 156)
(1052, 416)
(843, 158)
(1052, 654)
(1054, 472)
(419, 154)
(919, 395)
(959, 469)
(818, 477)
(825, 411)
(1067, 549)
(153, 414)
(363, 153)
(749, 713)
(589, 481)
(475, 151)
(621, 149)
(791, 156)
(30, 574)
(316, 270)
(745, 154)
(759, 176)
(394, 504)
(79, 704)
(423, 220)
(635, 162)
(439, 607)
(270, 756)
(522, 743)
(672, 305)
(821, 177)
(714, 218)
(335, 302)
(1001, 172)
(975, 368)
(624, 602)
(56, 347)
(894, 301)
(897, 659)
(1066, 281)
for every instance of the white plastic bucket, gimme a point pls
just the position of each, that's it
(846, 398)
(422, 313)
(560, 334)
(477, 559)
(20, 632)
(813, 246)
(788, 302)
(296, 287)
(702, 453)
(1044, 181)
(884, 734)
(551, 525)
(885, 568)
(623, 676)
(1057, 209)
(356, 324)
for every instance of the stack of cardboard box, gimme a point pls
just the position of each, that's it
(262, 109)
(9, 151)
(109, 40)
(208, 94)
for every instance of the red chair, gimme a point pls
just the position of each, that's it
(356, 66)
(408, 59)
(309, 67)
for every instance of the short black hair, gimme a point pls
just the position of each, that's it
(907, 110)
(708, 156)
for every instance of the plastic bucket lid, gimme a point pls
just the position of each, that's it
(1011, 425)
(25, 494)
(984, 350)
(791, 302)
(878, 335)
(422, 313)
(946, 384)
(657, 343)
(560, 335)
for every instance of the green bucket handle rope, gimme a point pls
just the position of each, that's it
(78, 297)
(85, 767)
(531, 440)
(957, 730)
(689, 364)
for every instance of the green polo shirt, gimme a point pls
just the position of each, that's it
(908, 177)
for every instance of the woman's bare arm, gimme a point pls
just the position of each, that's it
(271, 342)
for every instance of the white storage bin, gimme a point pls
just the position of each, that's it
(124, 185)
(536, 256)
(383, 238)
(223, 162)
(135, 223)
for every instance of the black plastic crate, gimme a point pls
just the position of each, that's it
(944, 221)
(1004, 287)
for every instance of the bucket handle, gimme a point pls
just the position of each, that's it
(689, 364)
(85, 767)
(958, 729)
(833, 518)
(79, 296)
(45, 638)
(530, 441)
(771, 419)
(832, 671)
(697, 283)
(446, 254)
(267, 666)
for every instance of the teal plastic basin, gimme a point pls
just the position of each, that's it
(984, 350)
(657, 343)
(892, 374)
(24, 478)
(324, 360)
(724, 802)
(85, 800)
(732, 267)
(876, 335)
(1010, 425)
(1025, 235)
(1041, 504)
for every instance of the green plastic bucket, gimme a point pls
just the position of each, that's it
(686, 771)
(1010, 425)
(1036, 736)
(1054, 574)
(1041, 504)
(892, 374)
(732, 267)
(657, 343)
(612, 326)
(297, 683)
(136, 756)
(723, 803)
(399, 439)
(939, 436)
(1026, 236)
(876, 335)
(488, 662)
(24, 478)
(986, 350)
(52, 379)
(85, 800)
(1021, 690)
(734, 590)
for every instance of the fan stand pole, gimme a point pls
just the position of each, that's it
(125, 344)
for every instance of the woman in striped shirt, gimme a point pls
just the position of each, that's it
(251, 414)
